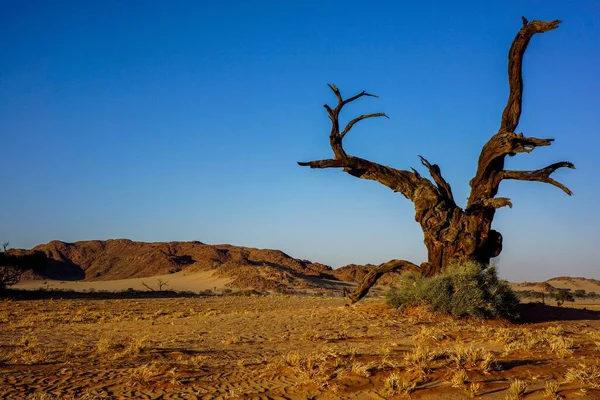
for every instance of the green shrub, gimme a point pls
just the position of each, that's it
(562, 296)
(461, 290)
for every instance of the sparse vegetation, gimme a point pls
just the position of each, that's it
(287, 345)
(13, 266)
(160, 284)
(458, 379)
(586, 374)
(462, 290)
(562, 295)
(551, 390)
(517, 389)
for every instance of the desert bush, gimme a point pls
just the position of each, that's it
(530, 294)
(562, 296)
(461, 290)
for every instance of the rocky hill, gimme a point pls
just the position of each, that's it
(99, 260)
(244, 267)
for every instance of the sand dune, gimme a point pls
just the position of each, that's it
(179, 281)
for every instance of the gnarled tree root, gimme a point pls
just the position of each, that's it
(371, 278)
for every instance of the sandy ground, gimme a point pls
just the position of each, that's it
(286, 347)
(179, 281)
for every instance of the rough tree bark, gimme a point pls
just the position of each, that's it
(451, 233)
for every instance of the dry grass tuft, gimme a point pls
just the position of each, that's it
(586, 374)
(134, 347)
(472, 389)
(231, 339)
(27, 350)
(434, 334)
(142, 374)
(396, 383)
(103, 345)
(551, 390)
(516, 390)
(420, 359)
(309, 366)
(311, 336)
(552, 339)
(362, 369)
(472, 357)
(458, 379)
(594, 336)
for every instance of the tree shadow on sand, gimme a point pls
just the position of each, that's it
(538, 312)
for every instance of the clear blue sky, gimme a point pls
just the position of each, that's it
(161, 120)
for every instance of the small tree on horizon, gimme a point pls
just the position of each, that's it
(13, 266)
(563, 295)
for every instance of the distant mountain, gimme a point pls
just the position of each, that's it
(262, 269)
(99, 260)
(561, 283)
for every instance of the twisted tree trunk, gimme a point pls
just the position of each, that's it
(451, 234)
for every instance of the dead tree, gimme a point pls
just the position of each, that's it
(13, 266)
(451, 233)
(161, 284)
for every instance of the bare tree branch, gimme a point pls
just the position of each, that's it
(512, 111)
(541, 175)
(363, 93)
(498, 202)
(371, 278)
(436, 174)
(401, 181)
(404, 182)
(162, 284)
(490, 166)
(337, 93)
(355, 120)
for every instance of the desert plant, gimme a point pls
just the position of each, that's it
(420, 359)
(552, 390)
(517, 389)
(471, 357)
(473, 388)
(461, 290)
(12, 266)
(399, 384)
(159, 282)
(562, 296)
(586, 374)
(103, 345)
(458, 379)
(360, 368)
(392, 382)
(141, 374)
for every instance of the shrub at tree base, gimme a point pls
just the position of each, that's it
(461, 290)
